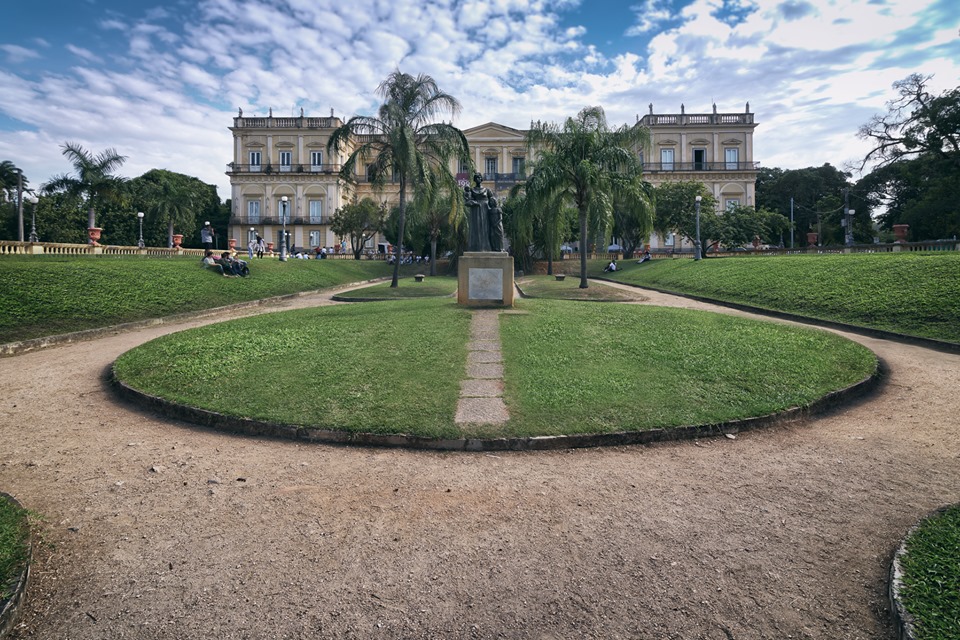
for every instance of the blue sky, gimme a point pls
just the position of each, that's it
(161, 81)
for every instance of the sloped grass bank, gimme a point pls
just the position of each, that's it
(570, 368)
(569, 289)
(48, 295)
(917, 294)
(14, 545)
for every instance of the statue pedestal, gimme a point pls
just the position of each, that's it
(485, 279)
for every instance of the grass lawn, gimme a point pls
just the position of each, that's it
(570, 367)
(931, 576)
(569, 289)
(912, 293)
(14, 548)
(47, 295)
(431, 287)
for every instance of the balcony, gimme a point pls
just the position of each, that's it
(267, 169)
(685, 119)
(253, 222)
(286, 123)
(696, 167)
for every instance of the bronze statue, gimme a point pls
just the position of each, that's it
(495, 220)
(477, 200)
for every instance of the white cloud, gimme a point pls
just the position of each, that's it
(17, 54)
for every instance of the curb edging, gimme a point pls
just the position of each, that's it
(252, 427)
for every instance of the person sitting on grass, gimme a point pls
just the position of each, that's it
(610, 267)
(645, 258)
(232, 266)
(209, 262)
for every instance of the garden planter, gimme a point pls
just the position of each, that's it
(94, 233)
(900, 232)
(232, 244)
(270, 247)
(177, 239)
(812, 238)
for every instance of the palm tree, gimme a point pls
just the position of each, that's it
(437, 209)
(589, 166)
(12, 185)
(171, 198)
(94, 181)
(403, 141)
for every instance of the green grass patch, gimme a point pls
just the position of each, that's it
(570, 367)
(14, 545)
(48, 295)
(912, 293)
(581, 368)
(931, 576)
(431, 287)
(382, 367)
(569, 289)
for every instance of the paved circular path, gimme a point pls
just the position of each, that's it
(155, 529)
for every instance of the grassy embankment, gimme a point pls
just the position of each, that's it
(916, 294)
(570, 367)
(47, 295)
(14, 538)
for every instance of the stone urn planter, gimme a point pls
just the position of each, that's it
(232, 244)
(270, 247)
(812, 238)
(94, 234)
(177, 239)
(900, 232)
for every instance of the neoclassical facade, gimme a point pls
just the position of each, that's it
(281, 176)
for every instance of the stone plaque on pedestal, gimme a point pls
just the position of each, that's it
(485, 279)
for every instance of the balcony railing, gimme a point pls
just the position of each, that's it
(683, 119)
(286, 123)
(234, 168)
(249, 221)
(657, 167)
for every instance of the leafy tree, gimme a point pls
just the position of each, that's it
(12, 183)
(536, 226)
(738, 226)
(172, 201)
(403, 140)
(632, 224)
(61, 217)
(590, 166)
(916, 123)
(917, 155)
(358, 221)
(817, 194)
(676, 212)
(436, 211)
(94, 181)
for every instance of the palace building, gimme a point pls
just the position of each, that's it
(282, 178)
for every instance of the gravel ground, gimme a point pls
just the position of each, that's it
(153, 529)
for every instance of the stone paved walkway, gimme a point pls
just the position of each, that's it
(481, 392)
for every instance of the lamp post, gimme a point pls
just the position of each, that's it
(19, 205)
(849, 224)
(696, 242)
(32, 199)
(283, 222)
(140, 218)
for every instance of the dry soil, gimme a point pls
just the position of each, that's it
(158, 529)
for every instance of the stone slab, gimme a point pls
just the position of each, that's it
(483, 345)
(481, 411)
(484, 357)
(485, 371)
(481, 388)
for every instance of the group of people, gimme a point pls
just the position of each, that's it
(612, 266)
(256, 246)
(226, 265)
(408, 259)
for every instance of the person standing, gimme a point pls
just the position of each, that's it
(260, 246)
(206, 236)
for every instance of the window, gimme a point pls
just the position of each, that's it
(254, 161)
(316, 211)
(253, 211)
(371, 173)
(731, 203)
(732, 158)
(666, 159)
(463, 166)
(316, 161)
(699, 159)
(314, 238)
(285, 211)
(519, 166)
(668, 240)
(286, 159)
(490, 168)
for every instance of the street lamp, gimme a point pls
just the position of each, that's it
(849, 224)
(696, 243)
(283, 222)
(32, 199)
(140, 218)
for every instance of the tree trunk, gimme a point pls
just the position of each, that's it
(91, 218)
(169, 234)
(401, 222)
(583, 246)
(433, 255)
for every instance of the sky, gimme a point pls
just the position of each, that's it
(160, 81)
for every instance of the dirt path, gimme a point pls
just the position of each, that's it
(161, 530)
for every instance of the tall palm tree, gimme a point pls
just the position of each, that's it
(171, 198)
(94, 181)
(437, 209)
(12, 185)
(403, 141)
(591, 166)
